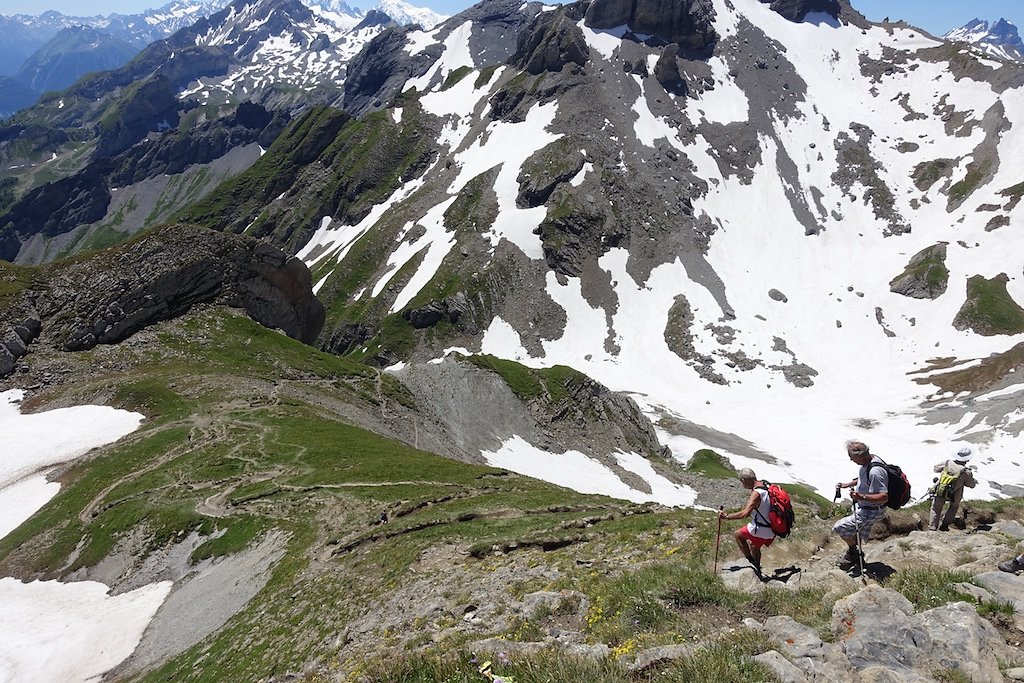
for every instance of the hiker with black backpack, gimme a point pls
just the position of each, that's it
(869, 493)
(757, 533)
(954, 475)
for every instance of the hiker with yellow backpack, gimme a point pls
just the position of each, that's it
(954, 475)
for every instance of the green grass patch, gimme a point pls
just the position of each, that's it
(966, 187)
(711, 464)
(455, 76)
(239, 535)
(989, 308)
(529, 383)
(929, 587)
(14, 280)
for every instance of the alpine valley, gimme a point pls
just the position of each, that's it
(368, 346)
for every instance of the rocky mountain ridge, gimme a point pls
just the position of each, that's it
(552, 249)
(998, 39)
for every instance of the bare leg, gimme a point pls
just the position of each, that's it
(742, 544)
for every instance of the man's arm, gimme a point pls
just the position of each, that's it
(752, 503)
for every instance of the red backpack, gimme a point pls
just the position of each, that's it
(780, 510)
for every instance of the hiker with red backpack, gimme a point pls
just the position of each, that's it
(758, 532)
(869, 493)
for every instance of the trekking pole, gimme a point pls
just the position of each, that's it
(718, 539)
(860, 546)
(835, 501)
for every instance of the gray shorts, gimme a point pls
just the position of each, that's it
(862, 516)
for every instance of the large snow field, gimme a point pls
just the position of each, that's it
(52, 631)
(865, 344)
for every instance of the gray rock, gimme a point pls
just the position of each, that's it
(797, 10)
(1016, 674)
(690, 23)
(776, 295)
(976, 592)
(1011, 528)
(797, 640)
(550, 42)
(656, 656)
(876, 627)
(883, 674)
(597, 652)
(783, 668)
(963, 641)
(925, 276)
(1005, 587)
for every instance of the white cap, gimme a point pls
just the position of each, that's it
(964, 454)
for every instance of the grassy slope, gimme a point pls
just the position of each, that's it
(235, 407)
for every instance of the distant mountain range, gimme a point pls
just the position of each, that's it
(999, 39)
(52, 50)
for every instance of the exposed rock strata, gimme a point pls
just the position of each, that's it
(110, 297)
(690, 23)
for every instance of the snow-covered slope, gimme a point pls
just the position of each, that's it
(755, 218)
(999, 39)
(27, 33)
(279, 46)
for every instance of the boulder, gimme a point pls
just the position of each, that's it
(876, 627)
(1004, 587)
(797, 10)
(110, 297)
(962, 641)
(690, 23)
(786, 671)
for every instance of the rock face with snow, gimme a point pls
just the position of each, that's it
(797, 10)
(687, 22)
(737, 211)
(997, 39)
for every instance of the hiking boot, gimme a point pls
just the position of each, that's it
(851, 559)
(1013, 566)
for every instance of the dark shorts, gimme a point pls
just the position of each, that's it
(756, 541)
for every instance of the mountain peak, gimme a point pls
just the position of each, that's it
(998, 39)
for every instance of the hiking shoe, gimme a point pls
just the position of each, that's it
(1013, 566)
(851, 559)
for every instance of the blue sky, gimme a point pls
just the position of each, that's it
(935, 16)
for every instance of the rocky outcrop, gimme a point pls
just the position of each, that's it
(175, 151)
(54, 209)
(925, 277)
(551, 42)
(379, 72)
(989, 309)
(562, 410)
(666, 70)
(150, 107)
(690, 23)
(105, 299)
(797, 10)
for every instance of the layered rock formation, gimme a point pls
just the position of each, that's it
(108, 298)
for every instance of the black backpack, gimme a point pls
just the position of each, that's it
(899, 485)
